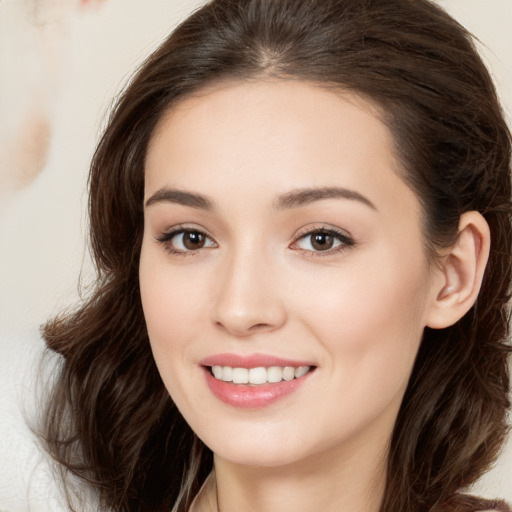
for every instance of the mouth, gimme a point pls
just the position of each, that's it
(254, 382)
(259, 375)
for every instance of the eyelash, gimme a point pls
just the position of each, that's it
(166, 240)
(345, 241)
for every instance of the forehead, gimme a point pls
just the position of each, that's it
(260, 102)
(274, 135)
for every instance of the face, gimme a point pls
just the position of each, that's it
(283, 277)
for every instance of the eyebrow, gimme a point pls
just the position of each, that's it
(292, 199)
(304, 196)
(171, 195)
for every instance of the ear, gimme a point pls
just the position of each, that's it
(461, 273)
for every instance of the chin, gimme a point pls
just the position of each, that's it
(257, 457)
(256, 449)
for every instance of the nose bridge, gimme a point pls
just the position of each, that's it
(248, 298)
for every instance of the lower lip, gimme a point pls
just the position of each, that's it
(251, 397)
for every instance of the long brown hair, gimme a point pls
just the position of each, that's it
(110, 420)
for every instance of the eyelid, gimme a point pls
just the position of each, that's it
(346, 239)
(166, 237)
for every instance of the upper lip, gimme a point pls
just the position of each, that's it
(250, 361)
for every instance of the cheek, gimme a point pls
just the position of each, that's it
(173, 302)
(370, 326)
(371, 317)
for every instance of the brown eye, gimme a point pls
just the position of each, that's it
(322, 241)
(193, 240)
(186, 240)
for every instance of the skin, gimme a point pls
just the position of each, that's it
(258, 286)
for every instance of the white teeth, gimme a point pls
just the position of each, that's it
(301, 371)
(217, 372)
(259, 375)
(289, 373)
(227, 373)
(240, 376)
(274, 374)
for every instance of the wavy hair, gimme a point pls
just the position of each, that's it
(111, 422)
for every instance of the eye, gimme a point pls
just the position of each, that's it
(323, 240)
(182, 240)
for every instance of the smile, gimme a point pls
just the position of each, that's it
(259, 375)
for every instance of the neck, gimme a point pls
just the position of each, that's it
(328, 482)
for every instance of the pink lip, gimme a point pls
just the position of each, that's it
(247, 396)
(250, 361)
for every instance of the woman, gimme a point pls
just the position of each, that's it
(300, 215)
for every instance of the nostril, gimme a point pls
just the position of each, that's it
(244, 329)
(259, 327)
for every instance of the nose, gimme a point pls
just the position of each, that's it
(249, 298)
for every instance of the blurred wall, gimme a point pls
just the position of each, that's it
(61, 63)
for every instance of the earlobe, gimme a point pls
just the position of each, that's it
(461, 273)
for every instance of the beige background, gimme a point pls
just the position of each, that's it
(61, 63)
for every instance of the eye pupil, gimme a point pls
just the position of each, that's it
(322, 241)
(193, 240)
